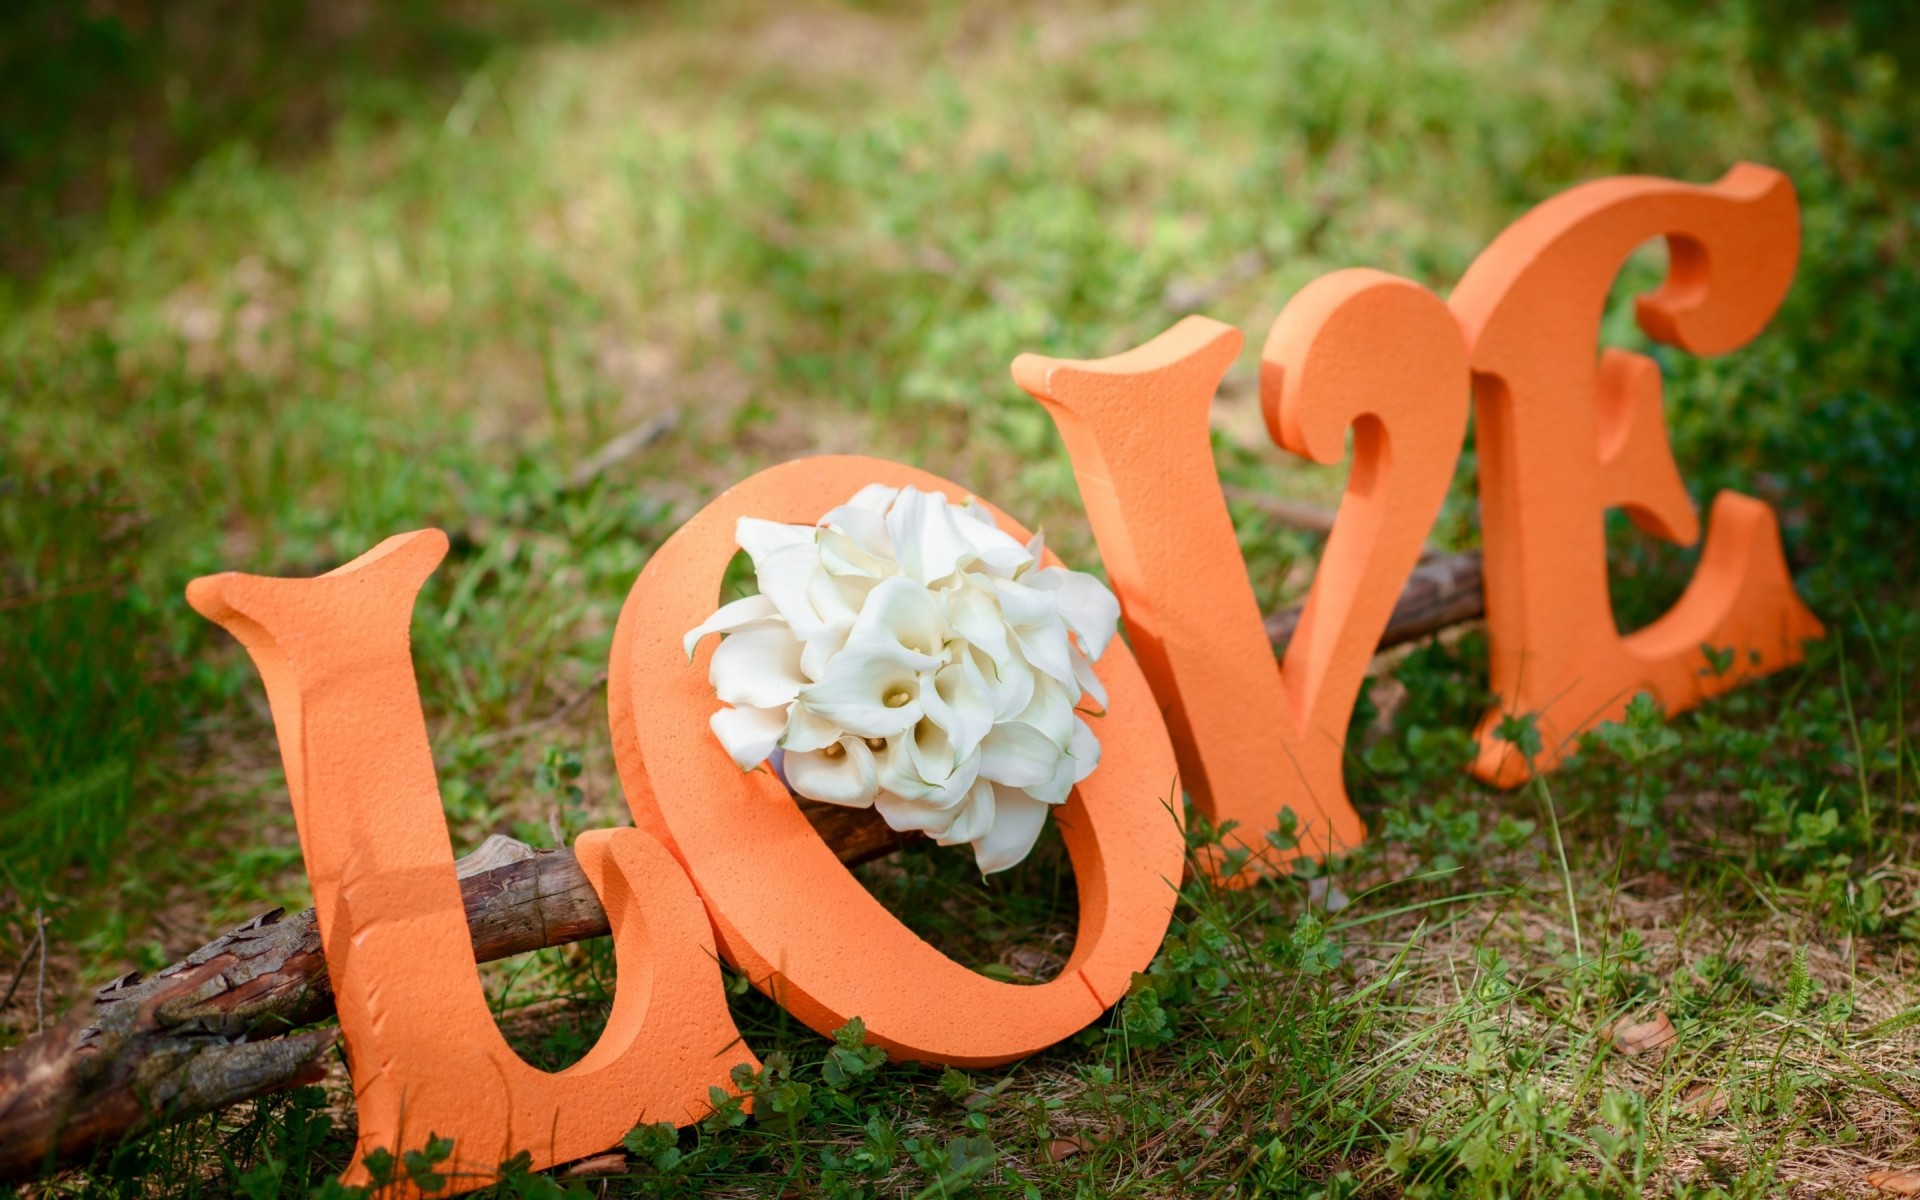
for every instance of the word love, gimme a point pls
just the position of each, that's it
(1565, 432)
(723, 861)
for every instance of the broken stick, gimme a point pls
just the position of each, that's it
(206, 1033)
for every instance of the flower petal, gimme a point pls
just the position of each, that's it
(959, 702)
(1009, 684)
(760, 538)
(926, 540)
(974, 614)
(848, 777)
(842, 555)
(1083, 674)
(748, 733)
(953, 788)
(914, 816)
(826, 642)
(1017, 821)
(759, 667)
(1018, 755)
(1082, 756)
(875, 497)
(1047, 648)
(837, 597)
(1084, 603)
(1057, 789)
(975, 816)
(990, 546)
(1050, 711)
(901, 612)
(867, 527)
(1084, 750)
(1024, 607)
(898, 774)
(744, 613)
(921, 765)
(854, 690)
(808, 730)
(784, 575)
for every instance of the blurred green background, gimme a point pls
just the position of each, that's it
(278, 280)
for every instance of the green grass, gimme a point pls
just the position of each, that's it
(282, 284)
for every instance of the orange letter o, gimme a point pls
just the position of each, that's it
(784, 910)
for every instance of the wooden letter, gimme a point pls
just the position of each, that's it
(1563, 436)
(785, 910)
(1357, 349)
(426, 1056)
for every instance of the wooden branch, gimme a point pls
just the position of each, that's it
(204, 1034)
(1442, 591)
(219, 1027)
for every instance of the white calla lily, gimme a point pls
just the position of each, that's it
(1089, 682)
(914, 816)
(973, 817)
(923, 764)
(1082, 756)
(1018, 755)
(1024, 607)
(786, 575)
(842, 555)
(761, 538)
(1089, 609)
(748, 612)
(838, 597)
(875, 498)
(904, 652)
(1009, 684)
(819, 649)
(1050, 651)
(841, 772)
(1017, 821)
(808, 730)
(973, 613)
(926, 539)
(1033, 619)
(959, 701)
(902, 613)
(749, 734)
(868, 529)
(759, 667)
(999, 554)
(1084, 750)
(1050, 711)
(872, 690)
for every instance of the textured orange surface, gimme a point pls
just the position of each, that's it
(426, 1056)
(1566, 432)
(1357, 350)
(786, 912)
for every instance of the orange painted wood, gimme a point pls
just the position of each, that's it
(1357, 350)
(425, 1054)
(786, 912)
(1566, 432)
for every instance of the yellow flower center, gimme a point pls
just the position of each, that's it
(835, 751)
(898, 698)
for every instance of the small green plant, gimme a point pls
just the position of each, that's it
(1640, 743)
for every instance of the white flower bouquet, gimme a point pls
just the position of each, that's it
(905, 653)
